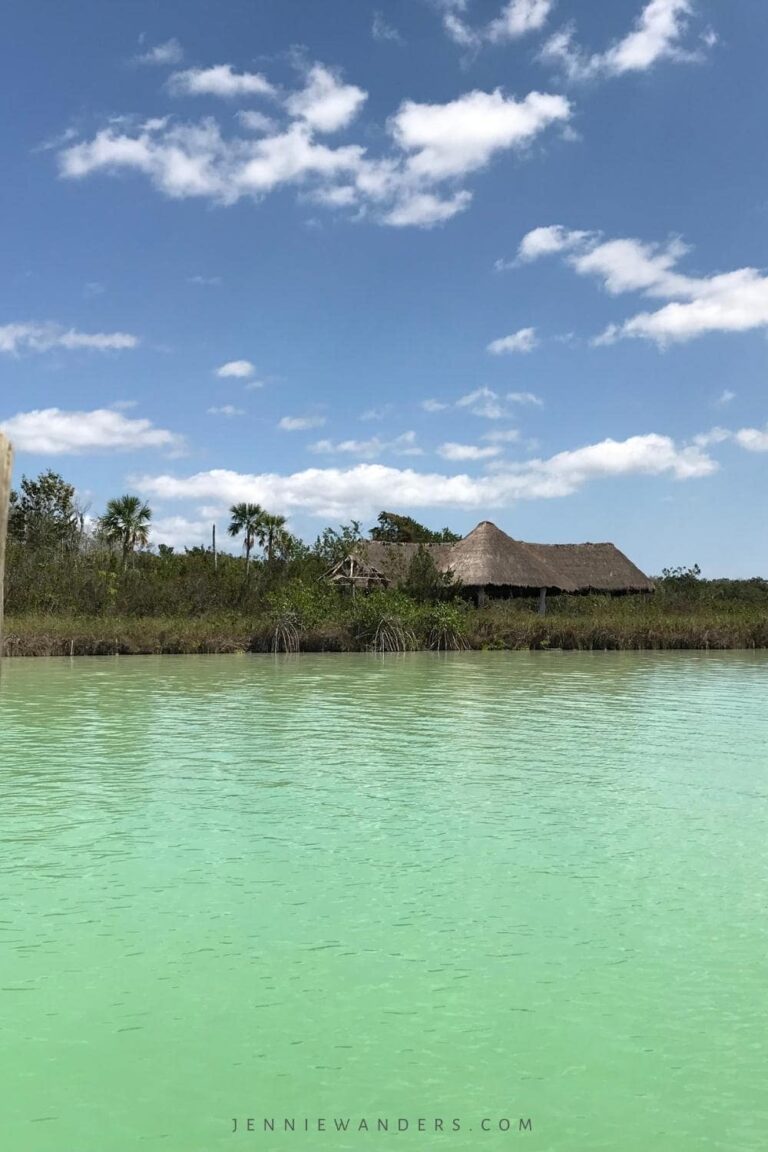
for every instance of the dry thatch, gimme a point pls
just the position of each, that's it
(592, 568)
(489, 558)
(394, 560)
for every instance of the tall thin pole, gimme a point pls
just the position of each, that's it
(6, 462)
(213, 545)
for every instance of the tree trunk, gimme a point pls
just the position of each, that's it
(6, 460)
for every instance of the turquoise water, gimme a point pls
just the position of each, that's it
(483, 887)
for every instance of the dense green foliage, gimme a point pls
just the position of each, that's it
(71, 589)
(394, 529)
(44, 514)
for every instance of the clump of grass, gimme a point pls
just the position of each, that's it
(391, 622)
(124, 636)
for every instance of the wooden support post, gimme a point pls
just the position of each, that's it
(213, 546)
(542, 601)
(6, 460)
(482, 598)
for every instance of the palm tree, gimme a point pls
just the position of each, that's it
(246, 519)
(271, 531)
(126, 522)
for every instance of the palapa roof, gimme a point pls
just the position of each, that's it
(593, 567)
(489, 558)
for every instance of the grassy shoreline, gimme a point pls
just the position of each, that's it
(617, 626)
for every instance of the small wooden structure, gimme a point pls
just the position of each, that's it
(354, 572)
(6, 461)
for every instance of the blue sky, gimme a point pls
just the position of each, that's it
(463, 259)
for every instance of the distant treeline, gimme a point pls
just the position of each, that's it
(76, 584)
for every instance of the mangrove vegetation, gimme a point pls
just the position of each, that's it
(78, 584)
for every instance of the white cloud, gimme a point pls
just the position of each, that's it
(37, 337)
(657, 35)
(522, 341)
(225, 410)
(300, 423)
(714, 436)
(404, 445)
(462, 136)
(254, 121)
(205, 281)
(219, 80)
(503, 436)
(326, 104)
(376, 413)
(53, 432)
(364, 488)
(519, 18)
(434, 146)
(424, 209)
(516, 19)
(483, 402)
(239, 369)
(486, 403)
(181, 532)
(191, 160)
(170, 53)
(524, 398)
(752, 439)
(725, 397)
(452, 451)
(726, 302)
(547, 241)
(383, 31)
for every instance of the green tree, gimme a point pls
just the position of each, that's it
(395, 529)
(246, 520)
(425, 582)
(272, 535)
(333, 544)
(44, 513)
(125, 524)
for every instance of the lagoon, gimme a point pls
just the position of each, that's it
(481, 888)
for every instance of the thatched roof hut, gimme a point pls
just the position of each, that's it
(488, 561)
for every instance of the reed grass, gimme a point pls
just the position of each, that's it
(584, 624)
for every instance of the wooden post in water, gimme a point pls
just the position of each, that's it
(6, 460)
